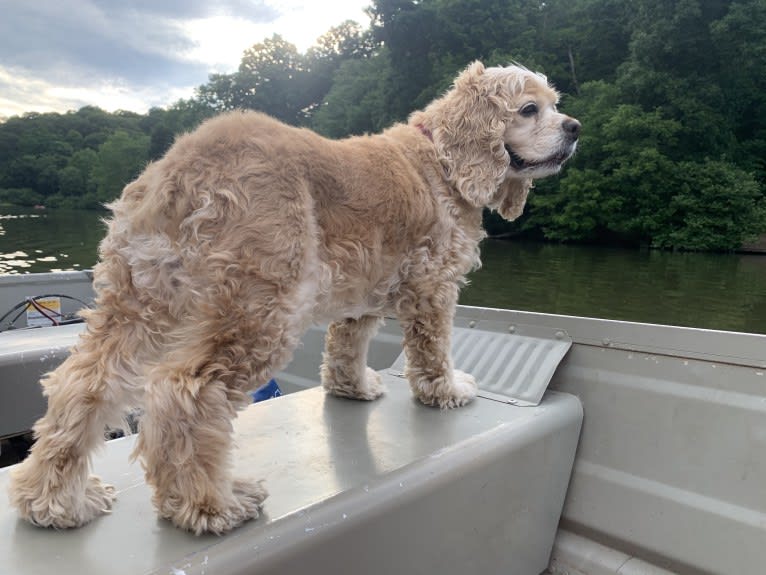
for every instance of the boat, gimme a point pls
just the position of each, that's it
(594, 447)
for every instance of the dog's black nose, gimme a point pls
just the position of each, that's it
(572, 128)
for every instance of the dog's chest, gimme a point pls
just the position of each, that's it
(352, 297)
(348, 291)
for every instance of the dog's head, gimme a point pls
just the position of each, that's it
(495, 131)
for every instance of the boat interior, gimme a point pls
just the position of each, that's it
(594, 447)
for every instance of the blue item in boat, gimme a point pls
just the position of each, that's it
(266, 391)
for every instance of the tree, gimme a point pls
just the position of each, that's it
(740, 40)
(20, 196)
(714, 206)
(407, 29)
(356, 103)
(341, 44)
(71, 182)
(120, 159)
(272, 77)
(275, 78)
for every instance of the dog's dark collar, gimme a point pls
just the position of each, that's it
(425, 131)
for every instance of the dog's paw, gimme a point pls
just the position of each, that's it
(99, 498)
(251, 495)
(371, 388)
(462, 391)
(245, 503)
(49, 503)
(447, 393)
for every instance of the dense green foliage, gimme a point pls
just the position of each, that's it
(672, 97)
(83, 159)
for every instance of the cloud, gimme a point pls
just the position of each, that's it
(20, 93)
(62, 54)
(256, 10)
(141, 42)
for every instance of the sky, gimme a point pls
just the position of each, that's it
(60, 55)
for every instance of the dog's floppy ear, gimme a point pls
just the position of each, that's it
(468, 134)
(511, 197)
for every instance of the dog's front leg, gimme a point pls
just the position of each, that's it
(344, 370)
(426, 317)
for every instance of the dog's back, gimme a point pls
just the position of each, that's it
(360, 213)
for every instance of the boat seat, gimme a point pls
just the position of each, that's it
(389, 486)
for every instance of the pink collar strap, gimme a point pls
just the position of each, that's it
(425, 131)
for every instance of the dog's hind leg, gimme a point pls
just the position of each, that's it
(344, 371)
(52, 487)
(193, 395)
(186, 431)
(184, 446)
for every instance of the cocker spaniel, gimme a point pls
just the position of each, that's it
(223, 252)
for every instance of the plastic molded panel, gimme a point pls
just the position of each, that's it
(25, 355)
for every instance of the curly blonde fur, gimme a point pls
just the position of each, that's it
(222, 253)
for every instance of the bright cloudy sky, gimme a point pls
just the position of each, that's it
(59, 55)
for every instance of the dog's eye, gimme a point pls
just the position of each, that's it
(528, 110)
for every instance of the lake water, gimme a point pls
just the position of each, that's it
(48, 240)
(715, 291)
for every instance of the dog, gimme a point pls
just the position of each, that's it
(222, 253)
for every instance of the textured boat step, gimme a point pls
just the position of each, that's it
(381, 487)
(513, 363)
